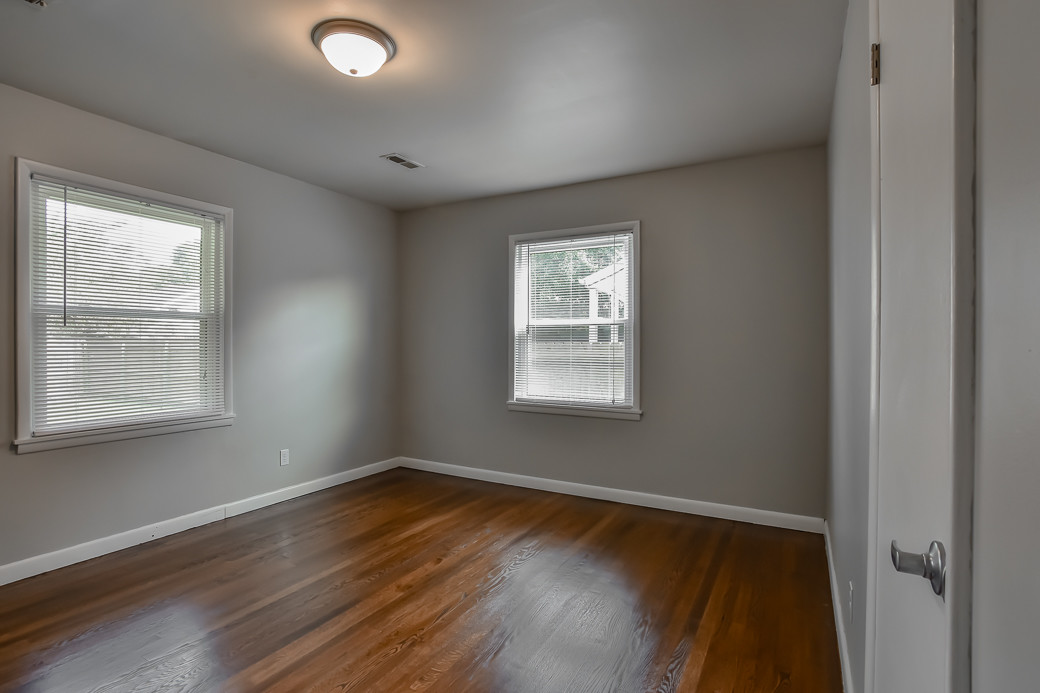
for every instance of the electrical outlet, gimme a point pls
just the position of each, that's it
(852, 602)
(283, 457)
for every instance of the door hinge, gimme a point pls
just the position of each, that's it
(875, 63)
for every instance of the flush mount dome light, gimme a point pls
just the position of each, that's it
(352, 47)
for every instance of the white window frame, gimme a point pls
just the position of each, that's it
(633, 412)
(25, 440)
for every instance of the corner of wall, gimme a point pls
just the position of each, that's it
(399, 382)
(839, 614)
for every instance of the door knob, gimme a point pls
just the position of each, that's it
(931, 566)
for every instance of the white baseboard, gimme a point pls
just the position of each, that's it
(35, 565)
(264, 499)
(839, 622)
(43, 563)
(98, 547)
(801, 523)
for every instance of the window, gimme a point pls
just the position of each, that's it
(123, 311)
(574, 324)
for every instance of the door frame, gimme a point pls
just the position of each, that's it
(869, 658)
(964, 341)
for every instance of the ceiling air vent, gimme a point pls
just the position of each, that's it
(401, 160)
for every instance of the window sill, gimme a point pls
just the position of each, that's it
(568, 410)
(73, 439)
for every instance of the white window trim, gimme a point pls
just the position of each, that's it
(25, 440)
(633, 412)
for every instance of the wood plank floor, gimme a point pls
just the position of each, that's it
(410, 581)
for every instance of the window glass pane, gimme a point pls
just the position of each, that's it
(116, 260)
(575, 371)
(556, 279)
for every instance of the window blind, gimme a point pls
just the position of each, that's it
(573, 311)
(126, 306)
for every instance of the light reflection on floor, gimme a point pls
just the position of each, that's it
(172, 631)
(582, 624)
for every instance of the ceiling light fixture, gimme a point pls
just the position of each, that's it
(354, 48)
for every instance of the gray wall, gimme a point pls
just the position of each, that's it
(851, 288)
(1007, 514)
(314, 340)
(734, 343)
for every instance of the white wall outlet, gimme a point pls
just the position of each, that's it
(852, 602)
(283, 457)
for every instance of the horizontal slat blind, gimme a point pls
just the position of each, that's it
(127, 305)
(572, 311)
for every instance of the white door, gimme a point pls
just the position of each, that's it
(925, 270)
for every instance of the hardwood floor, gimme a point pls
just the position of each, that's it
(410, 581)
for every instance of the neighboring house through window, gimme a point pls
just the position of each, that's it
(574, 323)
(124, 310)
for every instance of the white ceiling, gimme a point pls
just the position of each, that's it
(492, 95)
